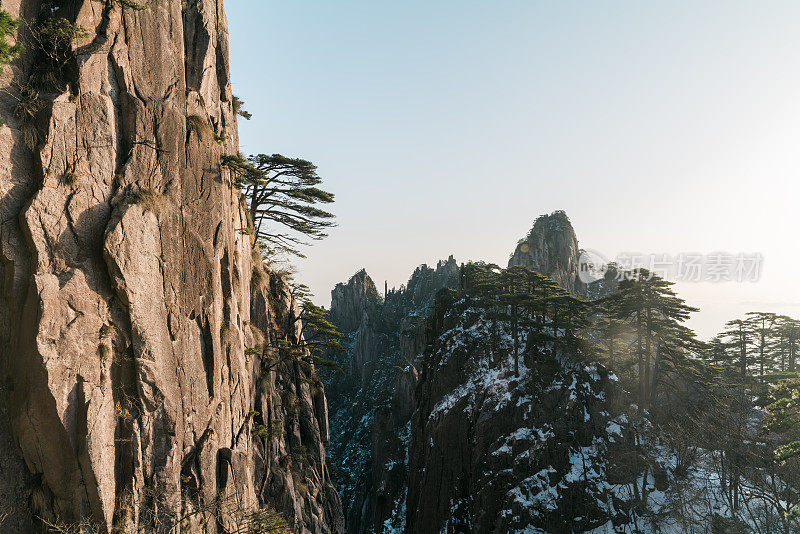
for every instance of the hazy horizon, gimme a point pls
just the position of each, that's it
(448, 128)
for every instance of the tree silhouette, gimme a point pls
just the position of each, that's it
(650, 305)
(761, 326)
(283, 198)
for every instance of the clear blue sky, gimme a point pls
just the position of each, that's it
(446, 127)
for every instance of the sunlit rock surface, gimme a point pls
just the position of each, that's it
(128, 298)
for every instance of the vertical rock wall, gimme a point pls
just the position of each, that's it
(128, 300)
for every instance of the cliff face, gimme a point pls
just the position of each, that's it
(492, 452)
(371, 404)
(351, 301)
(551, 249)
(130, 295)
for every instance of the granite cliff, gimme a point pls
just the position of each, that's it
(135, 312)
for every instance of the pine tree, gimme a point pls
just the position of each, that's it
(718, 352)
(788, 333)
(309, 335)
(650, 305)
(761, 326)
(477, 278)
(738, 336)
(320, 335)
(529, 303)
(8, 28)
(512, 297)
(570, 317)
(611, 332)
(282, 194)
(785, 417)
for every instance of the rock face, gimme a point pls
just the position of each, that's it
(129, 294)
(551, 249)
(495, 453)
(371, 404)
(350, 302)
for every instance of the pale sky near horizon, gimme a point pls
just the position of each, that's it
(448, 127)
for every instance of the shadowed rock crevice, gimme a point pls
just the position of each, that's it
(206, 354)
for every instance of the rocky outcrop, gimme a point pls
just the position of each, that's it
(492, 452)
(352, 301)
(371, 404)
(131, 303)
(551, 249)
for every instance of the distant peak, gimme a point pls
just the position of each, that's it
(550, 248)
(558, 221)
(350, 301)
(360, 275)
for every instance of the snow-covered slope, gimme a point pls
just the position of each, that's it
(495, 452)
(560, 448)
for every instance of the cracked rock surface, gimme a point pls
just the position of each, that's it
(130, 294)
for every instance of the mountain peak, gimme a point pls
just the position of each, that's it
(350, 301)
(551, 248)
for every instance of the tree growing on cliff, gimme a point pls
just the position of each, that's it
(50, 41)
(309, 336)
(238, 108)
(283, 198)
(320, 336)
(53, 39)
(131, 4)
(8, 28)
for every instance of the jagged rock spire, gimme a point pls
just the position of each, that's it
(350, 301)
(551, 248)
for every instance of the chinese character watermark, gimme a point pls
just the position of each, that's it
(683, 267)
